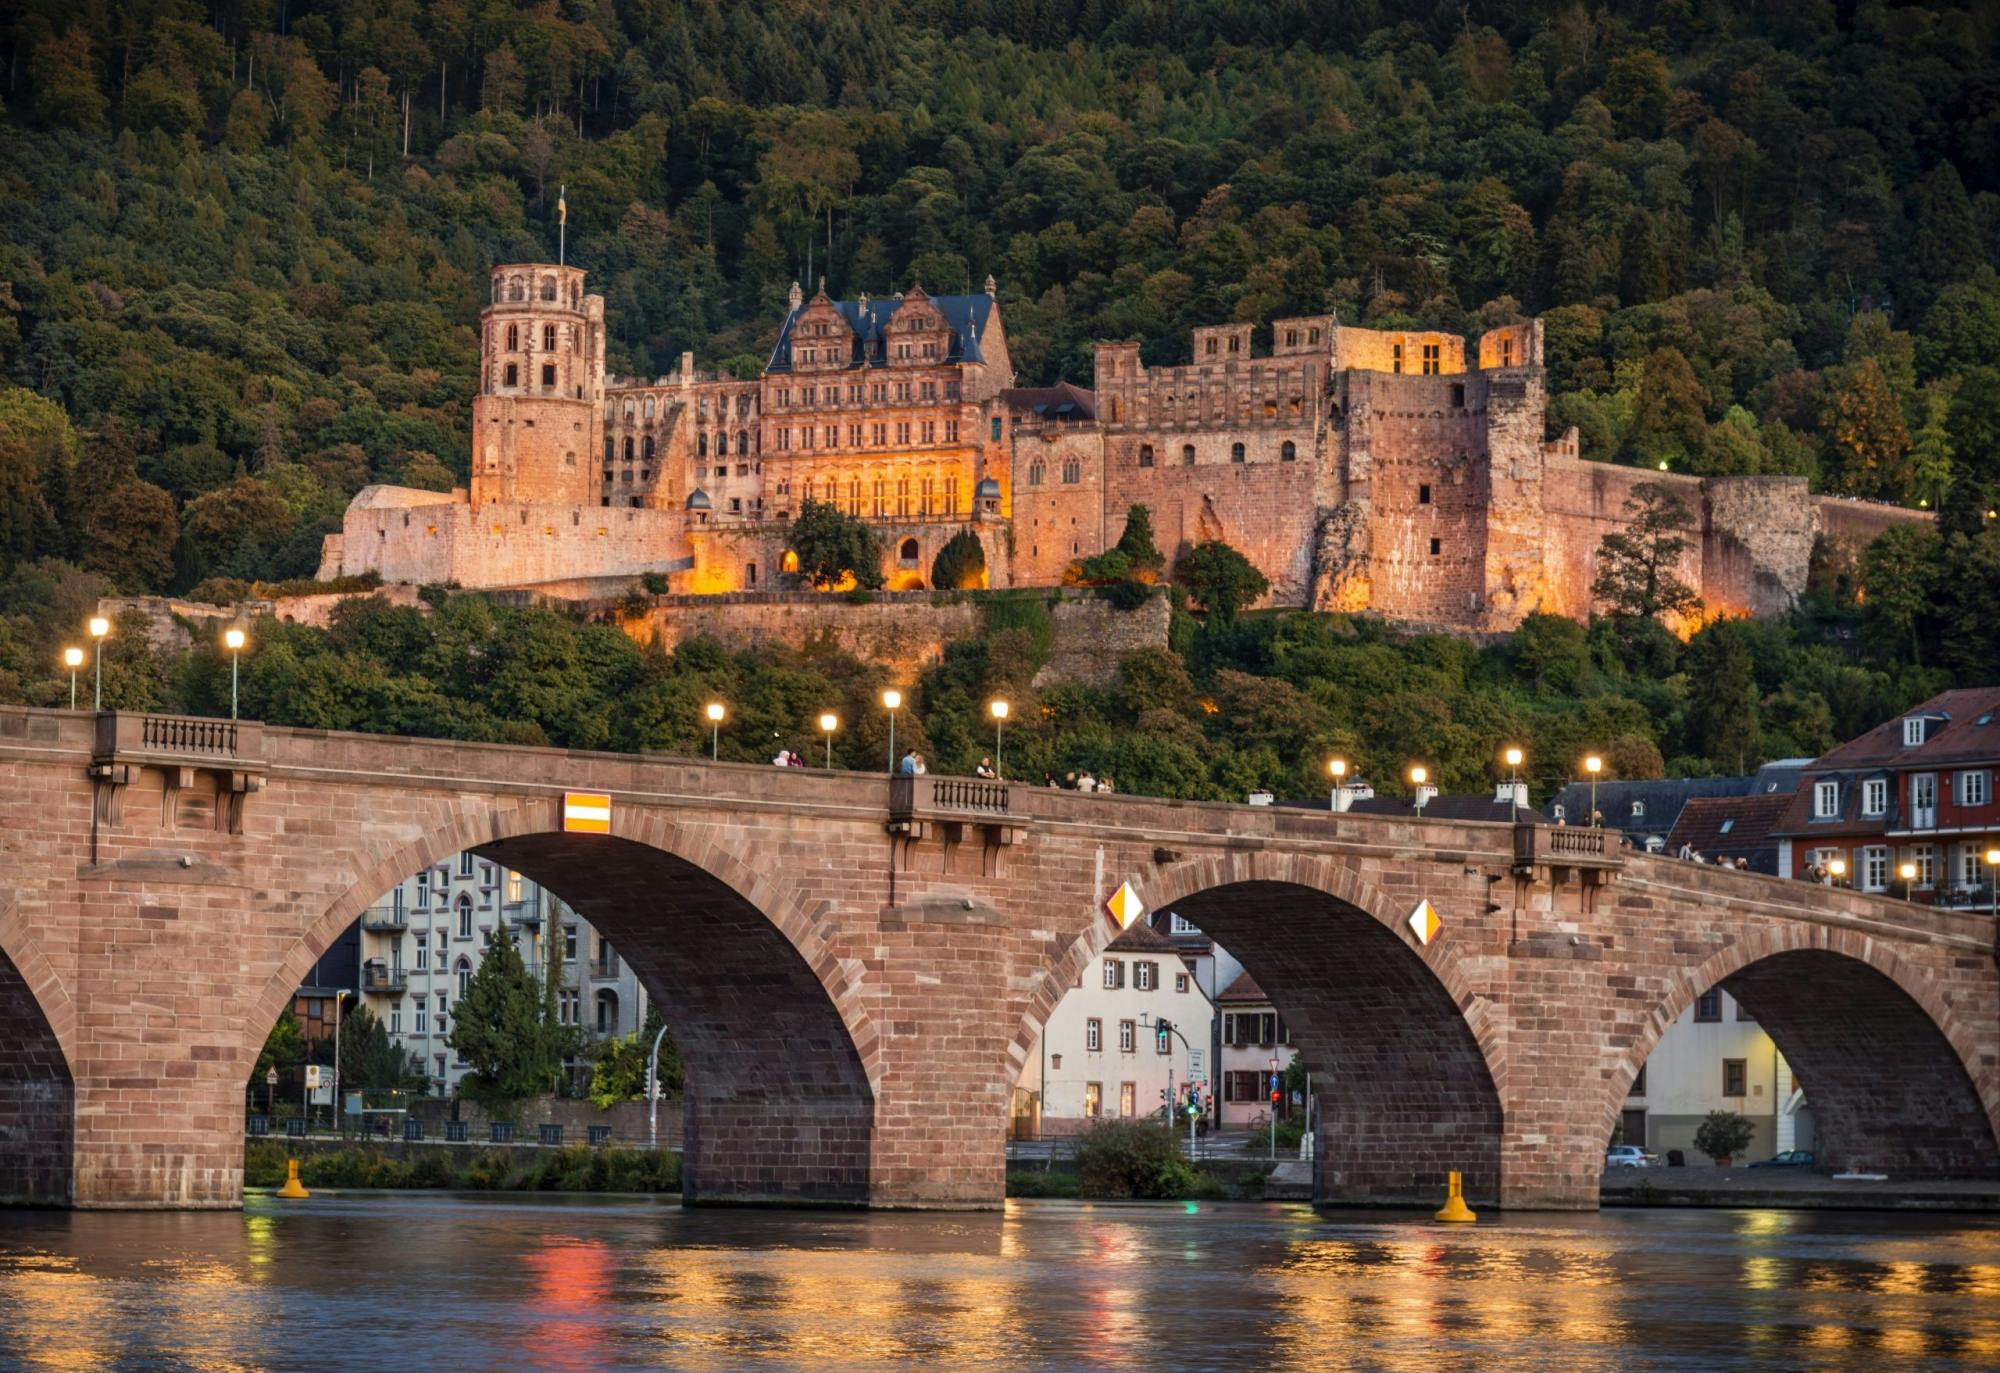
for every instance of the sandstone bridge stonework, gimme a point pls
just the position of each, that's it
(856, 969)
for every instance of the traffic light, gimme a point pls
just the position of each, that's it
(1274, 1098)
(1160, 1033)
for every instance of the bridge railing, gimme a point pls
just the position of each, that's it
(1553, 846)
(947, 798)
(192, 740)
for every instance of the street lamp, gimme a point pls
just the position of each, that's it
(892, 700)
(233, 640)
(715, 714)
(1593, 765)
(72, 659)
(1908, 872)
(1514, 755)
(1993, 879)
(99, 628)
(1337, 769)
(999, 709)
(829, 722)
(1419, 778)
(1836, 869)
(339, 1116)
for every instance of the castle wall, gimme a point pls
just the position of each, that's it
(907, 633)
(1757, 543)
(736, 558)
(1056, 520)
(504, 544)
(1584, 501)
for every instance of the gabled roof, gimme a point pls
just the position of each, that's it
(1662, 800)
(966, 319)
(1966, 729)
(1243, 989)
(1140, 937)
(1729, 824)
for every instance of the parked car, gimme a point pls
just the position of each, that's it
(1626, 1156)
(1790, 1158)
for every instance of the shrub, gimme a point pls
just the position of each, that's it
(961, 564)
(1290, 1132)
(1128, 595)
(487, 1173)
(1131, 1158)
(1724, 1134)
(264, 1163)
(432, 1168)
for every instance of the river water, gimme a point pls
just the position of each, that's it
(508, 1282)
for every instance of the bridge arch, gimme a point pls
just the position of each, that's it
(37, 1090)
(783, 1057)
(1407, 1061)
(1889, 1068)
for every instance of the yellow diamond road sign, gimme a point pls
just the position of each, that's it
(1424, 921)
(1125, 905)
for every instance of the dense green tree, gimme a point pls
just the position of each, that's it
(1219, 579)
(1722, 696)
(507, 1029)
(833, 547)
(1638, 574)
(961, 564)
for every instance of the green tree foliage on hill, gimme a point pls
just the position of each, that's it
(247, 245)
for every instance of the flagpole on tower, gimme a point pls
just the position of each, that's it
(562, 225)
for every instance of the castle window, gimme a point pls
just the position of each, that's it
(1290, 452)
(1396, 358)
(1507, 351)
(902, 498)
(1035, 472)
(548, 288)
(548, 338)
(1424, 494)
(1187, 455)
(628, 409)
(700, 446)
(1210, 349)
(1145, 455)
(647, 448)
(634, 503)
(515, 290)
(1312, 336)
(951, 431)
(752, 570)
(610, 450)
(1117, 410)
(1458, 396)
(1072, 471)
(908, 553)
(743, 441)
(548, 374)
(1236, 452)
(513, 338)
(996, 429)
(1437, 547)
(854, 496)
(1291, 338)
(513, 375)
(1430, 359)
(788, 562)
(951, 495)
(881, 504)
(1233, 344)
(722, 445)
(649, 407)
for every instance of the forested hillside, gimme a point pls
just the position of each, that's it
(244, 242)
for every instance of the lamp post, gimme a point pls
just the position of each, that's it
(99, 629)
(829, 722)
(1593, 765)
(1993, 882)
(892, 700)
(1337, 769)
(72, 659)
(1836, 868)
(1514, 756)
(233, 640)
(1419, 778)
(999, 709)
(1908, 873)
(339, 1116)
(653, 1092)
(715, 714)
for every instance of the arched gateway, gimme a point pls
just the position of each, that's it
(858, 966)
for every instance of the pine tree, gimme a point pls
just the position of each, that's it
(1636, 568)
(961, 564)
(1136, 543)
(502, 1028)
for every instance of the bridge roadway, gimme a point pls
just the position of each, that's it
(857, 967)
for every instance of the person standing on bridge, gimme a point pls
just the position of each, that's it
(985, 769)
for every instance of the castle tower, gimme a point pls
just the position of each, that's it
(537, 422)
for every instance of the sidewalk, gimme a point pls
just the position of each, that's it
(1790, 1188)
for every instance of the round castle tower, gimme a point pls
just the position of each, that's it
(537, 422)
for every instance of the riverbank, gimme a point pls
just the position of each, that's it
(461, 1167)
(1791, 1190)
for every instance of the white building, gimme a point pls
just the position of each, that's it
(421, 943)
(1716, 1058)
(1101, 1054)
(1253, 1039)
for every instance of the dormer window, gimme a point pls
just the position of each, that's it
(1913, 730)
(1638, 810)
(1875, 796)
(1826, 800)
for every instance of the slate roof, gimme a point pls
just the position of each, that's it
(1662, 800)
(1063, 401)
(1735, 826)
(1964, 729)
(966, 319)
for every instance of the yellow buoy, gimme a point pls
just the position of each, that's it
(1455, 1211)
(294, 1188)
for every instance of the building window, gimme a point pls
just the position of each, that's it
(1430, 359)
(1288, 452)
(1144, 975)
(1638, 810)
(1734, 1078)
(1875, 868)
(1072, 471)
(1826, 800)
(1925, 857)
(1114, 973)
(1437, 547)
(1093, 1035)
(1974, 789)
(1458, 397)
(1128, 1037)
(548, 376)
(1145, 455)
(1236, 452)
(465, 917)
(1913, 731)
(1180, 924)
(1638, 1087)
(1093, 1100)
(1708, 1006)
(1875, 796)
(513, 338)
(1396, 358)
(548, 338)
(1424, 493)
(420, 1024)
(395, 1020)
(513, 375)
(1128, 1099)
(1036, 472)
(1180, 982)
(464, 971)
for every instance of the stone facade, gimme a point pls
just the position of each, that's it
(858, 967)
(1394, 472)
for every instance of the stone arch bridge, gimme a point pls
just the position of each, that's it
(856, 967)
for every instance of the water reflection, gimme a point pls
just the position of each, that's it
(508, 1282)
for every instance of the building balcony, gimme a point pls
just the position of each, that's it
(381, 979)
(1550, 852)
(385, 920)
